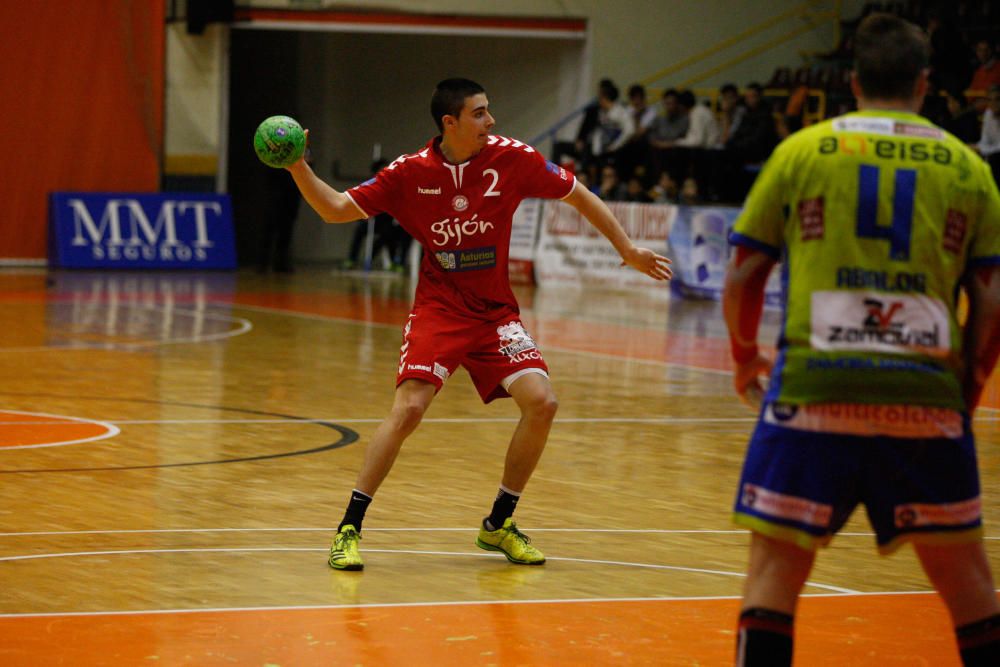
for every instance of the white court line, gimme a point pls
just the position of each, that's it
(110, 429)
(464, 529)
(464, 420)
(445, 603)
(650, 566)
(292, 421)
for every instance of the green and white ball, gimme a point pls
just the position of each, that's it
(279, 141)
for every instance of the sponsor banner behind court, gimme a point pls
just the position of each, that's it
(572, 252)
(140, 230)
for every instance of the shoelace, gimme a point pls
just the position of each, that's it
(518, 534)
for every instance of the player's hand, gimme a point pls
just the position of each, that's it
(302, 160)
(646, 261)
(748, 377)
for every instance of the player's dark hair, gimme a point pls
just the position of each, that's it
(889, 55)
(449, 98)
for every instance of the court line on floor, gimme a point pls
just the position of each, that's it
(110, 432)
(313, 529)
(450, 420)
(446, 603)
(414, 552)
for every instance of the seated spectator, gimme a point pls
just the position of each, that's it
(935, 107)
(665, 191)
(687, 155)
(689, 192)
(703, 130)
(635, 191)
(635, 152)
(756, 135)
(671, 125)
(988, 72)
(731, 111)
(614, 127)
(989, 140)
(589, 124)
(611, 187)
(950, 60)
(962, 120)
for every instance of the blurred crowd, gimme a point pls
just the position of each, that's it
(684, 149)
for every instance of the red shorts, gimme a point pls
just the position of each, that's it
(436, 343)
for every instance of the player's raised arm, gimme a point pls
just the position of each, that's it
(330, 204)
(600, 216)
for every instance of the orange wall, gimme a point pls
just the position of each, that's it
(81, 103)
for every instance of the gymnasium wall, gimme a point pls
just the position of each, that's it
(82, 103)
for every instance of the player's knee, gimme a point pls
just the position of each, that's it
(544, 405)
(408, 414)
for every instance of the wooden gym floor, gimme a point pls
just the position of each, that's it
(176, 449)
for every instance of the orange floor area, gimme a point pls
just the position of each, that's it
(876, 630)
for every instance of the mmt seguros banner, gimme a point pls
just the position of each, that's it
(138, 230)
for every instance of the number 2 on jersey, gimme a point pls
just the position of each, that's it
(899, 232)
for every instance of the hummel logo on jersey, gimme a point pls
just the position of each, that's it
(428, 191)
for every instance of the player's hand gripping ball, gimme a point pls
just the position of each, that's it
(279, 141)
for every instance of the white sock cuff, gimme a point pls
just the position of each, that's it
(516, 494)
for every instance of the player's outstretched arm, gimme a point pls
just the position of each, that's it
(331, 205)
(981, 344)
(742, 304)
(600, 216)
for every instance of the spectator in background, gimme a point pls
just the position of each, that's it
(756, 136)
(384, 235)
(590, 122)
(703, 130)
(988, 72)
(989, 139)
(687, 155)
(690, 195)
(950, 61)
(671, 125)
(731, 111)
(611, 187)
(614, 127)
(275, 250)
(962, 119)
(635, 152)
(665, 191)
(935, 107)
(635, 190)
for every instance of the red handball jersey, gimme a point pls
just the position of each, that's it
(462, 214)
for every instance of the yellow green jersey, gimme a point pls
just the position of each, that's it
(876, 216)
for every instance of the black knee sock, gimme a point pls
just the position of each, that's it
(764, 638)
(979, 642)
(356, 509)
(503, 507)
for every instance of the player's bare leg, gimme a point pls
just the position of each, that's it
(534, 396)
(411, 401)
(777, 572)
(961, 575)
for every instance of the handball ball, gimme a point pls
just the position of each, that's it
(279, 141)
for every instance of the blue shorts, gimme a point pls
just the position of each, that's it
(802, 486)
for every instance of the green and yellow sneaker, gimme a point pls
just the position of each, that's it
(344, 552)
(514, 544)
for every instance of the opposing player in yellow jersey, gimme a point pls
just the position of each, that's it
(878, 218)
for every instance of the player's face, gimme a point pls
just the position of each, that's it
(474, 122)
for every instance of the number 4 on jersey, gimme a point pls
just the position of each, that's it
(898, 233)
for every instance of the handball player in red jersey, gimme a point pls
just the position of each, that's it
(457, 196)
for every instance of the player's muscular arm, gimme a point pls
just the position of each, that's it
(742, 304)
(981, 343)
(600, 216)
(332, 206)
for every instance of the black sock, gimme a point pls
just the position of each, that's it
(503, 507)
(979, 642)
(764, 638)
(356, 509)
